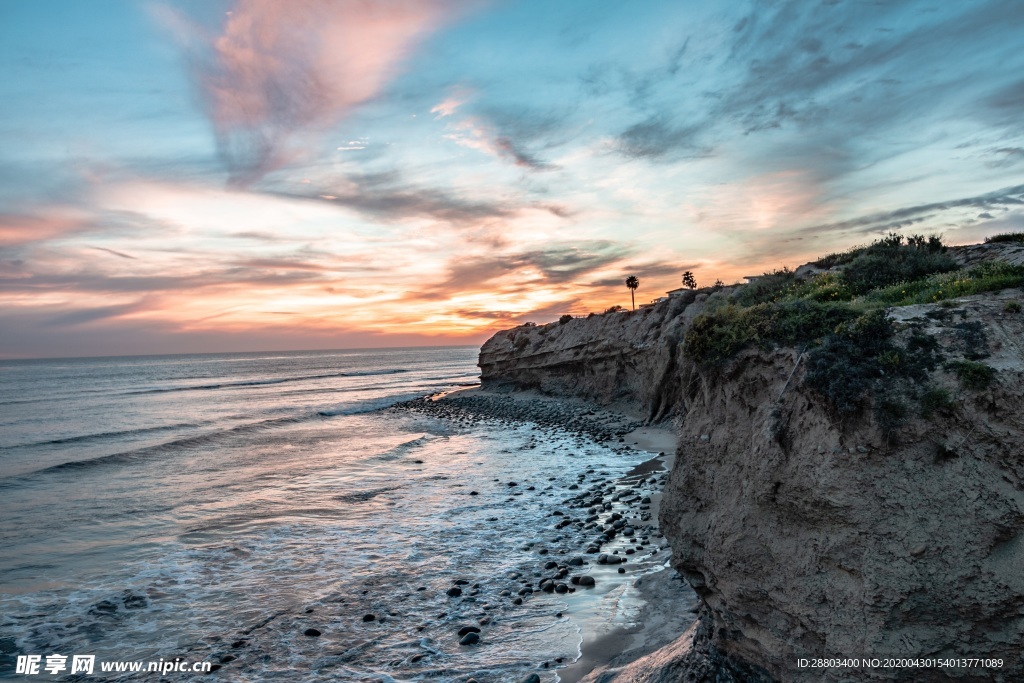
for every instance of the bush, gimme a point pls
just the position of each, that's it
(936, 400)
(845, 367)
(614, 309)
(564, 319)
(1006, 237)
(1012, 307)
(767, 288)
(892, 260)
(521, 342)
(972, 375)
(717, 335)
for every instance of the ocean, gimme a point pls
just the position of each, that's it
(216, 507)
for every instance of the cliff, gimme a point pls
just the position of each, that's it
(810, 530)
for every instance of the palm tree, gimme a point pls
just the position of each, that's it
(689, 280)
(632, 282)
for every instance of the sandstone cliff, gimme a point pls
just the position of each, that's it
(813, 534)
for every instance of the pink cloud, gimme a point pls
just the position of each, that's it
(17, 230)
(279, 70)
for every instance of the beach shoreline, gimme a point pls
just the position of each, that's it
(663, 605)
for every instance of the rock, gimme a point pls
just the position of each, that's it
(532, 678)
(311, 632)
(454, 592)
(369, 617)
(135, 602)
(586, 580)
(471, 638)
(468, 629)
(105, 607)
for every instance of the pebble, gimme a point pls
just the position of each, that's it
(454, 592)
(311, 632)
(471, 638)
(369, 617)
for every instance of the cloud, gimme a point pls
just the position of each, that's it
(449, 105)
(280, 70)
(555, 264)
(890, 220)
(655, 138)
(474, 133)
(115, 253)
(389, 195)
(16, 230)
(88, 315)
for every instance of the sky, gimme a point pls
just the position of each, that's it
(205, 176)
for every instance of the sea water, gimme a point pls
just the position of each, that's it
(214, 507)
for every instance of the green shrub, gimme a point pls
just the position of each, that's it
(767, 288)
(1006, 237)
(891, 413)
(1012, 307)
(972, 375)
(892, 260)
(936, 400)
(845, 366)
(717, 335)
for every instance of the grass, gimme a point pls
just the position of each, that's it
(949, 285)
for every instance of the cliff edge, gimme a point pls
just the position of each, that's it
(852, 492)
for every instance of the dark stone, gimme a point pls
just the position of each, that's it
(105, 606)
(454, 592)
(468, 629)
(369, 617)
(135, 602)
(311, 632)
(471, 638)
(585, 580)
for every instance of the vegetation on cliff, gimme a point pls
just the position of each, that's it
(837, 317)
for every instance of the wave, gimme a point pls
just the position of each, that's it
(264, 382)
(100, 436)
(373, 405)
(403, 449)
(145, 452)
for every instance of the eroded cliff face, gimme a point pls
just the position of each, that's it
(629, 358)
(807, 535)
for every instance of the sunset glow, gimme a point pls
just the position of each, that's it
(204, 176)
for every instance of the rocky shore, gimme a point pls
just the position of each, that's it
(611, 525)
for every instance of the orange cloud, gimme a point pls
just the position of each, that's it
(282, 69)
